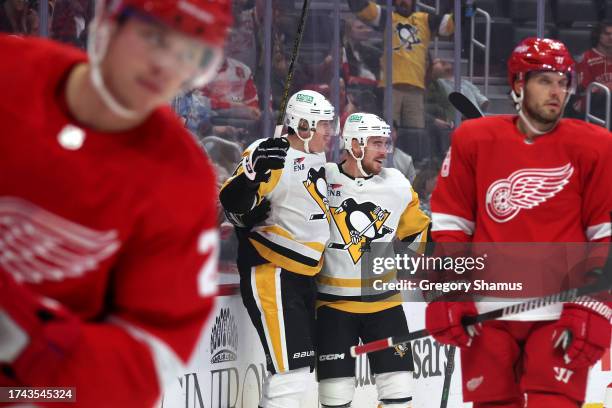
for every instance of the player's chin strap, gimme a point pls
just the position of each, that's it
(97, 45)
(359, 159)
(306, 140)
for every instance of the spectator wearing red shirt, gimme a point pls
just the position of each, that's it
(596, 66)
(233, 89)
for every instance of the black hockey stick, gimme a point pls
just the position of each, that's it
(464, 105)
(291, 70)
(602, 284)
(337, 245)
(448, 375)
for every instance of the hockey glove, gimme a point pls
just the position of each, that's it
(443, 322)
(268, 155)
(583, 332)
(256, 215)
(36, 334)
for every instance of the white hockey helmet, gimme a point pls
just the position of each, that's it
(305, 109)
(362, 126)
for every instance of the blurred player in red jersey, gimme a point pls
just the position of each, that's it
(529, 178)
(108, 239)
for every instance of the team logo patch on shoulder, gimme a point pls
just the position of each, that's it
(525, 189)
(298, 164)
(333, 190)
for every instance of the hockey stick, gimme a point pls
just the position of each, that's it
(464, 105)
(290, 71)
(448, 375)
(604, 283)
(337, 245)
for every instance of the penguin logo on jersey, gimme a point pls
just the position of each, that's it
(359, 224)
(408, 36)
(316, 185)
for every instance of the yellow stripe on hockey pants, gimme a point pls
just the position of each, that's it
(265, 280)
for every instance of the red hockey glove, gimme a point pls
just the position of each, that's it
(443, 322)
(583, 331)
(36, 334)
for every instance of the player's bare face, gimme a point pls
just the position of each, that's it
(322, 135)
(147, 64)
(545, 94)
(376, 154)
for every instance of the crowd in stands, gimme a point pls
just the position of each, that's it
(231, 108)
(67, 19)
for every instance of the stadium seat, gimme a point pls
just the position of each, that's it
(522, 32)
(577, 40)
(496, 8)
(526, 10)
(501, 33)
(571, 11)
(608, 10)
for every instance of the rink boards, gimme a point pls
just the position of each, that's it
(228, 367)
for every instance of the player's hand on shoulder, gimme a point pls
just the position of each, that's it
(268, 155)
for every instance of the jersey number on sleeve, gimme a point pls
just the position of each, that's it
(208, 245)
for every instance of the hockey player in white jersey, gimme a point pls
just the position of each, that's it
(278, 257)
(368, 204)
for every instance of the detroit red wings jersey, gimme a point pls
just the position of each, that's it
(595, 66)
(496, 187)
(119, 227)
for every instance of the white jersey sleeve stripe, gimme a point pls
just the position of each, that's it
(447, 222)
(599, 231)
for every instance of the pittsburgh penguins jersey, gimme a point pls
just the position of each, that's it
(293, 236)
(375, 209)
(412, 35)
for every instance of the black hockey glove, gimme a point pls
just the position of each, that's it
(269, 155)
(248, 220)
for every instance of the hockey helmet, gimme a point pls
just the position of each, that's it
(305, 109)
(362, 126)
(206, 22)
(541, 54)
